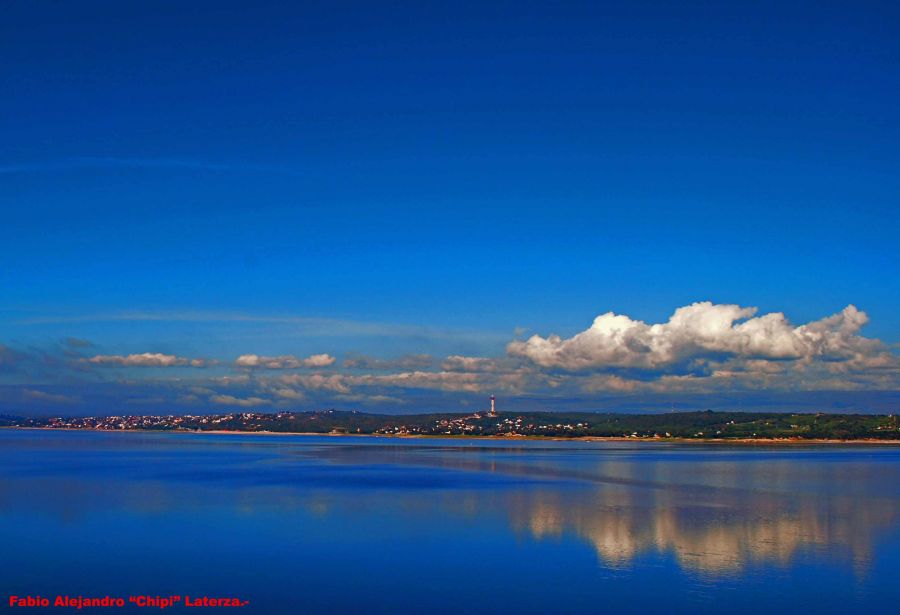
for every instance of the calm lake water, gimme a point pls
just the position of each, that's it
(370, 525)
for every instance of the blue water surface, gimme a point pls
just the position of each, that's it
(307, 524)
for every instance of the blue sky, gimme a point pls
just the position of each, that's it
(442, 179)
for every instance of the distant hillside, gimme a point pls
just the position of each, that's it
(693, 425)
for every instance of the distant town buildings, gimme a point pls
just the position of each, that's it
(695, 425)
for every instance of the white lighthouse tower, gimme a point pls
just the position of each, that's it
(493, 411)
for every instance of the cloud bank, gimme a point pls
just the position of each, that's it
(702, 349)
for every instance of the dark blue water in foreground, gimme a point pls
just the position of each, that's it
(367, 525)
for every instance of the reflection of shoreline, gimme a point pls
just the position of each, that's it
(711, 512)
(717, 535)
(789, 442)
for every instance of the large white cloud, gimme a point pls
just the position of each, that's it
(701, 330)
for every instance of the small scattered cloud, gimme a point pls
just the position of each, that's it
(442, 381)
(253, 361)
(145, 359)
(10, 358)
(242, 402)
(458, 363)
(406, 362)
(345, 383)
(44, 397)
(290, 394)
(317, 382)
(56, 362)
(372, 399)
(318, 360)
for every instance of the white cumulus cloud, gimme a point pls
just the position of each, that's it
(701, 330)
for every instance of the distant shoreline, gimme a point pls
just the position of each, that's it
(519, 438)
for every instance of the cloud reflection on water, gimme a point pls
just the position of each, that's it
(714, 513)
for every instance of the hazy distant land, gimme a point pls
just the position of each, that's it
(706, 425)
